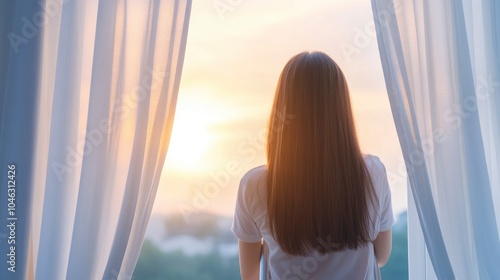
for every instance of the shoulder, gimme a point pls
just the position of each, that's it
(382, 210)
(372, 160)
(252, 191)
(254, 176)
(254, 181)
(378, 174)
(374, 166)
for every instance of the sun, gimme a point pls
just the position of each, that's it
(189, 141)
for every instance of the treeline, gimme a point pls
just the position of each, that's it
(154, 264)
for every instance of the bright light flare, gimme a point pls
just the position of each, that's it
(190, 139)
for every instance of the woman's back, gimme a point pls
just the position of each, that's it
(251, 225)
(318, 197)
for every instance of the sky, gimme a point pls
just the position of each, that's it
(235, 52)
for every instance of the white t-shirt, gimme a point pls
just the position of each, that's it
(250, 225)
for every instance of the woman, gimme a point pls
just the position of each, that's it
(322, 208)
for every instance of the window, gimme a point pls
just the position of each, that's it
(235, 52)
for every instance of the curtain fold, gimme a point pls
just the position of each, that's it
(440, 62)
(19, 76)
(100, 104)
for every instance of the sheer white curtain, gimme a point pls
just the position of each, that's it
(441, 62)
(106, 83)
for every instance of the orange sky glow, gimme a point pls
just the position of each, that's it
(235, 52)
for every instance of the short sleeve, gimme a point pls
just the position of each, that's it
(386, 215)
(244, 226)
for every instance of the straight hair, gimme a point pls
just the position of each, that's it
(318, 186)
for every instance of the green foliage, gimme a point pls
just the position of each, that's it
(397, 266)
(155, 265)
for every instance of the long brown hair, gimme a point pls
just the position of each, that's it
(318, 186)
